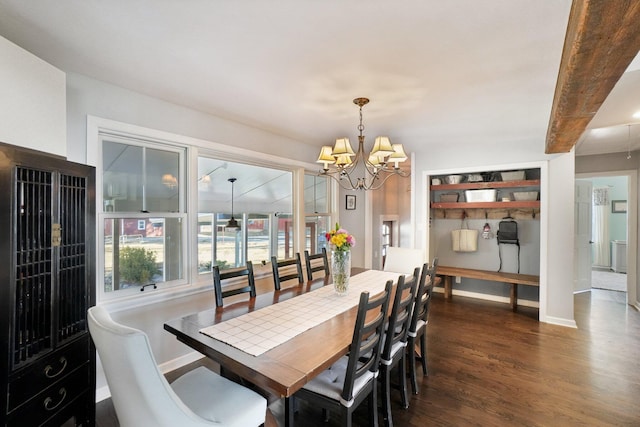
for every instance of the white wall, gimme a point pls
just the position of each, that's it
(559, 247)
(86, 96)
(32, 101)
(353, 221)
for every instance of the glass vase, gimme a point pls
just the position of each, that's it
(341, 270)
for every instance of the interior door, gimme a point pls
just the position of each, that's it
(582, 241)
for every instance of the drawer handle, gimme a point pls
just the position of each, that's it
(48, 368)
(48, 401)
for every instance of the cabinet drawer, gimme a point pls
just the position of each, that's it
(47, 371)
(52, 400)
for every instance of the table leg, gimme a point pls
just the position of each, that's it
(288, 411)
(514, 296)
(447, 287)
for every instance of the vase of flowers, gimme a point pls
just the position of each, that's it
(341, 243)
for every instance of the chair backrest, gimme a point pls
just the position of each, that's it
(402, 260)
(400, 317)
(423, 296)
(139, 391)
(364, 351)
(285, 265)
(218, 277)
(316, 266)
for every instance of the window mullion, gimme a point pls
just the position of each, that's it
(144, 179)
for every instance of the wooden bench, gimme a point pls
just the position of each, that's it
(514, 279)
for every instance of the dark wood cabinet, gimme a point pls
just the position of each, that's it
(47, 282)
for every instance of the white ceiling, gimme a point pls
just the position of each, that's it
(614, 128)
(436, 71)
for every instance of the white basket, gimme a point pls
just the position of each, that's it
(453, 179)
(512, 176)
(449, 197)
(525, 195)
(480, 195)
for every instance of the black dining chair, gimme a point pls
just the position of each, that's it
(313, 265)
(283, 271)
(353, 378)
(218, 277)
(419, 321)
(395, 341)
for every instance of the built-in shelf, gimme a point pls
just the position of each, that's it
(486, 185)
(497, 209)
(486, 205)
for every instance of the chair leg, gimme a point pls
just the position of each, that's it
(386, 398)
(402, 374)
(423, 353)
(346, 417)
(373, 405)
(325, 415)
(411, 354)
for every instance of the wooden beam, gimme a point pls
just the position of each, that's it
(603, 37)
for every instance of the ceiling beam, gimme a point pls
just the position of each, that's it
(603, 37)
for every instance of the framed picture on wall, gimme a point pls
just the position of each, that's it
(350, 202)
(618, 206)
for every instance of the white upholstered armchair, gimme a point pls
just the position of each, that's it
(142, 396)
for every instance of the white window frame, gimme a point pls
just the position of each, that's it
(195, 147)
(145, 141)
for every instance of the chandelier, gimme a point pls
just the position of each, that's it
(352, 170)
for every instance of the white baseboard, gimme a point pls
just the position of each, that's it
(179, 362)
(569, 323)
(103, 393)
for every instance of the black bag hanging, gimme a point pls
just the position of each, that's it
(508, 234)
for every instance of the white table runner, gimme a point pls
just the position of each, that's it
(261, 330)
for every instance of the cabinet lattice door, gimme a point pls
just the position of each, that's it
(47, 228)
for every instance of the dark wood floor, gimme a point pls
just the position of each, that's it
(492, 367)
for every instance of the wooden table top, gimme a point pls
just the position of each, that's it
(285, 368)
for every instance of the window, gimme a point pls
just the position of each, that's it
(143, 219)
(262, 204)
(146, 232)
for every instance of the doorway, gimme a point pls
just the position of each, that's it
(389, 234)
(613, 241)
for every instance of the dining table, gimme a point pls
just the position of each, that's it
(314, 337)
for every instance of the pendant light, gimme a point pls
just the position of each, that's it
(232, 225)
